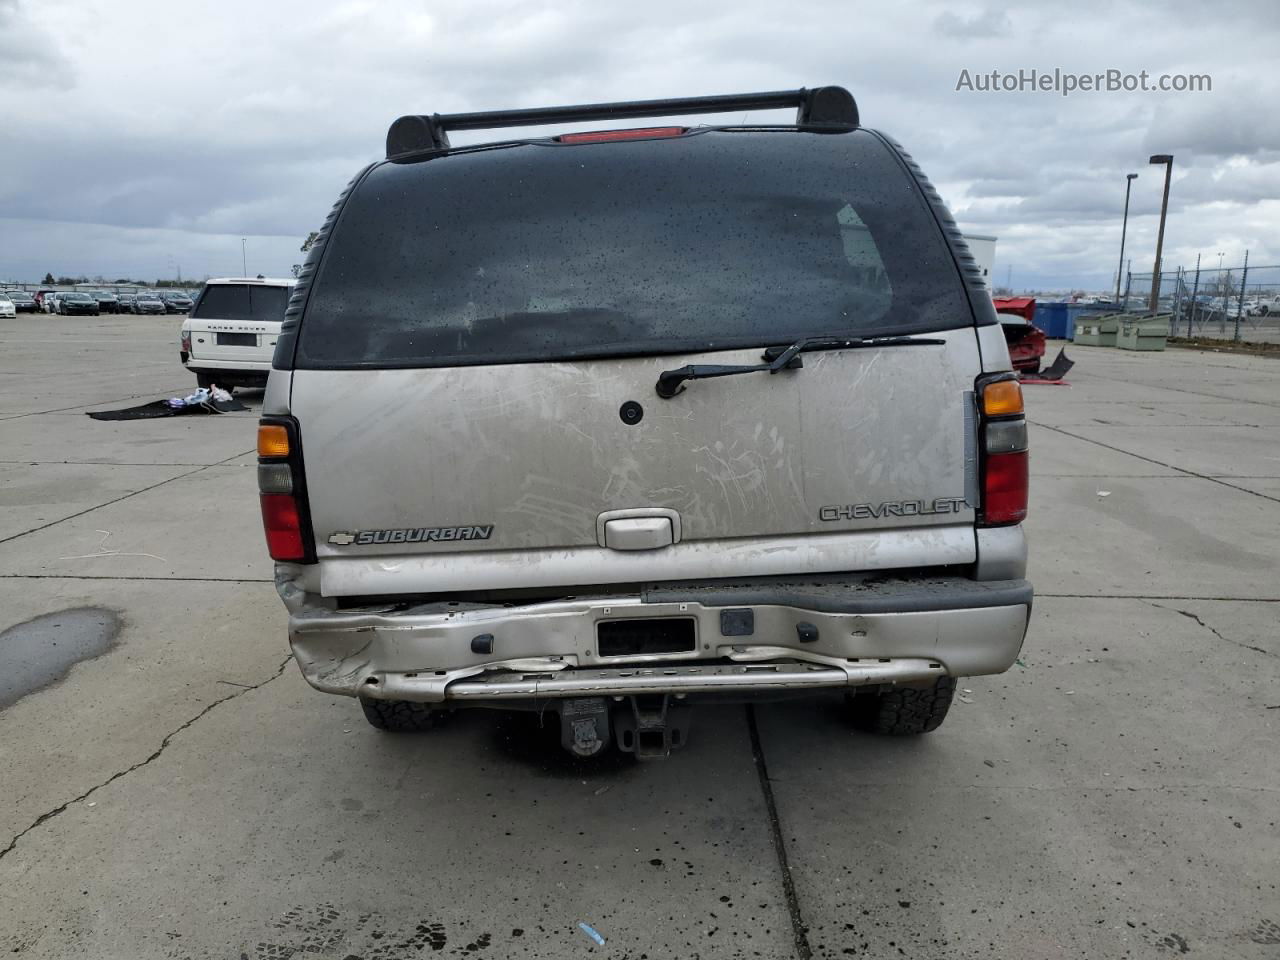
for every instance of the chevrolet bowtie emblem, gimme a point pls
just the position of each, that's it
(342, 539)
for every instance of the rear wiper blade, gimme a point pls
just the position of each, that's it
(671, 382)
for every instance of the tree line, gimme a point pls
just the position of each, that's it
(50, 280)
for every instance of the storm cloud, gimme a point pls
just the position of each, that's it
(144, 135)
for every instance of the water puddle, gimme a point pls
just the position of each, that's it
(39, 652)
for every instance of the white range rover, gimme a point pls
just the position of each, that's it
(230, 335)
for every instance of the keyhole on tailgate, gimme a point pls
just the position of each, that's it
(631, 413)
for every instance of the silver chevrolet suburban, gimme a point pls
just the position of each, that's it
(604, 424)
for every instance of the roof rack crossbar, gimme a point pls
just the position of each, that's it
(817, 108)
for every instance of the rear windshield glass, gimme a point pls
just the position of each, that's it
(711, 241)
(242, 301)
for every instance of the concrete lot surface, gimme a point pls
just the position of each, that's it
(184, 794)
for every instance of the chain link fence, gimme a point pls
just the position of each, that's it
(1223, 303)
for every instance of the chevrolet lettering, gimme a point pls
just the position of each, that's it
(893, 508)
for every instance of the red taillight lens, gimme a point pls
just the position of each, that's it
(283, 524)
(186, 343)
(282, 491)
(605, 136)
(1004, 488)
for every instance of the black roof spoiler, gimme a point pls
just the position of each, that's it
(822, 108)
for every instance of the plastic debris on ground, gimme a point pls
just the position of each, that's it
(590, 932)
(203, 401)
(1053, 373)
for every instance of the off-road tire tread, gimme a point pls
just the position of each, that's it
(401, 716)
(904, 711)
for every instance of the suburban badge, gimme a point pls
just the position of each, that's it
(412, 535)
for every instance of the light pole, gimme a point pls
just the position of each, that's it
(1167, 160)
(1124, 228)
(244, 263)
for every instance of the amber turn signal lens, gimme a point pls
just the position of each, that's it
(1002, 398)
(273, 440)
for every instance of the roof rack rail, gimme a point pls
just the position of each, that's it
(829, 108)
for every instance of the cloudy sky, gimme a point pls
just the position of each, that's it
(143, 137)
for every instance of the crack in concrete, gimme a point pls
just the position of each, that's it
(108, 503)
(1191, 616)
(1193, 393)
(1158, 463)
(95, 403)
(50, 814)
(799, 929)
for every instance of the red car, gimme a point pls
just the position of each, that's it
(1026, 341)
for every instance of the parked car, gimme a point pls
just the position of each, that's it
(107, 302)
(175, 301)
(74, 302)
(1026, 342)
(230, 335)
(603, 452)
(44, 300)
(125, 302)
(1262, 306)
(147, 302)
(23, 302)
(7, 308)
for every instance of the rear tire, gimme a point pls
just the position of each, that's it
(401, 716)
(904, 711)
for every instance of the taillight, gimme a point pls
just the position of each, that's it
(185, 345)
(282, 491)
(1004, 451)
(283, 524)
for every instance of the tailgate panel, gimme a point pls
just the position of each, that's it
(528, 455)
(233, 340)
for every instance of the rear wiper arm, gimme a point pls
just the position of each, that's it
(671, 382)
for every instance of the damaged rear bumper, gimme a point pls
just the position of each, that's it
(744, 637)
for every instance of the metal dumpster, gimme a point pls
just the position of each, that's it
(1097, 330)
(1051, 317)
(1143, 333)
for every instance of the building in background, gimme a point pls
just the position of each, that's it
(983, 249)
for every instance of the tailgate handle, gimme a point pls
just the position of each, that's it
(643, 529)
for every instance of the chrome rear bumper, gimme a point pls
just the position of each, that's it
(780, 675)
(834, 632)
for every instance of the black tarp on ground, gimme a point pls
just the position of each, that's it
(161, 408)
